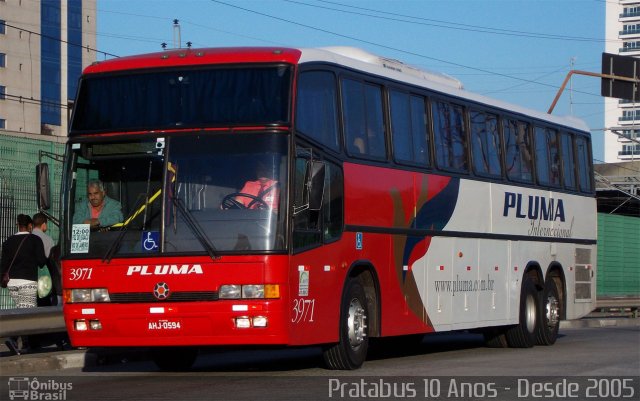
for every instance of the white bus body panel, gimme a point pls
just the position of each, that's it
(474, 282)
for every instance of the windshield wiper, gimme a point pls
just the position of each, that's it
(196, 228)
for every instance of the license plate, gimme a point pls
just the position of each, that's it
(164, 324)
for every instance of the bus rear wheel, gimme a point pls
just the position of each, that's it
(550, 313)
(523, 335)
(351, 351)
(174, 359)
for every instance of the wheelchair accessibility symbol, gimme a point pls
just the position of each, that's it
(150, 240)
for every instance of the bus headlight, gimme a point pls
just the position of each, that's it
(86, 295)
(249, 291)
(253, 291)
(229, 291)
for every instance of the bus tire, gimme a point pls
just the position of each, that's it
(174, 359)
(351, 350)
(550, 313)
(523, 335)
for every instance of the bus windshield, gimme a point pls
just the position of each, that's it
(191, 193)
(183, 98)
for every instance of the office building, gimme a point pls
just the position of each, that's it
(44, 45)
(622, 26)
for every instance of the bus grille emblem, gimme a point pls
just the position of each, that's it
(161, 291)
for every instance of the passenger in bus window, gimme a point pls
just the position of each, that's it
(358, 145)
(101, 210)
(264, 192)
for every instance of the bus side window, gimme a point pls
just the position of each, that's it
(568, 161)
(554, 156)
(485, 143)
(450, 136)
(547, 156)
(518, 160)
(333, 200)
(363, 119)
(584, 164)
(409, 128)
(316, 107)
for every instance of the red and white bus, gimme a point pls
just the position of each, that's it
(399, 204)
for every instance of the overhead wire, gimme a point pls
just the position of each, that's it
(60, 40)
(391, 47)
(446, 24)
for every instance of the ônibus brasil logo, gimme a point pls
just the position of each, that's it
(25, 388)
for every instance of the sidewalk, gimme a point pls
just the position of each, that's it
(52, 358)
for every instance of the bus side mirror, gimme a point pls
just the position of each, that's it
(43, 195)
(316, 171)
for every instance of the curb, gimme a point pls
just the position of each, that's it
(595, 322)
(72, 359)
(23, 364)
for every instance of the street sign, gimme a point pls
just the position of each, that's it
(619, 74)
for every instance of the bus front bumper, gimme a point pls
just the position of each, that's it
(170, 324)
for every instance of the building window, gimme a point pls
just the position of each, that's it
(3, 123)
(74, 46)
(630, 150)
(3, 60)
(3, 92)
(2, 27)
(51, 60)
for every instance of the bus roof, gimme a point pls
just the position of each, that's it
(350, 57)
(361, 60)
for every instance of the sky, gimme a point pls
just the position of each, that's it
(518, 51)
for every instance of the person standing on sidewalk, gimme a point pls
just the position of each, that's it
(22, 254)
(40, 227)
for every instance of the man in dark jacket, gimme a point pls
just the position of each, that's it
(22, 254)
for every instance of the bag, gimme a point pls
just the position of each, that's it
(44, 282)
(5, 275)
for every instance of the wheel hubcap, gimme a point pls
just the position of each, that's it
(552, 312)
(530, 314)
(356, 323)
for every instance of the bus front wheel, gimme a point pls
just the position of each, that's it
(523, 335)
(351, 350)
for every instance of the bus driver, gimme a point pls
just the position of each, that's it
(265, 189)
(101, 210)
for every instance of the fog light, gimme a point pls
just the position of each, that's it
(243, 322)
(259, 321)
(81, 325)
(95, 324)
